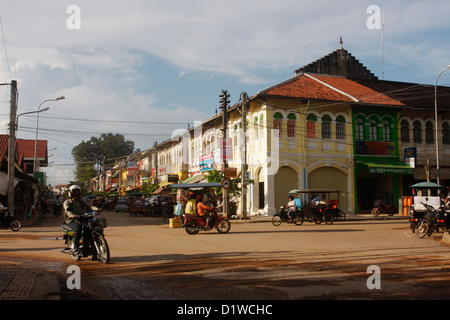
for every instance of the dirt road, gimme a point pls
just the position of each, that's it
(253, 261)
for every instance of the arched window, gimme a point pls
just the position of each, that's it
(340, 127)
(278, 123)
(291, 123)
(311, 126)
(417, 132)
(326, 127)
(255, 128)
(429, 132)
(445, 133)
(404, 131)
(386, 130)
(261, 125)
(373, 130)
(359, 129)
(235, 136)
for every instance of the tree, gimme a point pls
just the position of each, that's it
(216, 176)
(93, 155)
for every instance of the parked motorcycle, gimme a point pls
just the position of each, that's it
(431, 221)
(92, 241)
(381, 208)
(8, 220)
(193, 224)
(282, 216)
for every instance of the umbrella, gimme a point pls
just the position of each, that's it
(426, 185)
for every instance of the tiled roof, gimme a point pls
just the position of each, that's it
(4, 141)
(413, 95)
(24, 149)
(329, 88)
(27, 148)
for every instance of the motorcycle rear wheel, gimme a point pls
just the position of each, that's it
(191, 228)
(422, 229)
(276, 220)
(298, 220)
(15, 224)
(223, 226)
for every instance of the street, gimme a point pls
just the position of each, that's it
(253, 261)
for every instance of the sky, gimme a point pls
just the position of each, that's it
(145, 68)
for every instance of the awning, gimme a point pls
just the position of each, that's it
(387, 166)
(195, 179)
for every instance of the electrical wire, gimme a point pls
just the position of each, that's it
(6, 52)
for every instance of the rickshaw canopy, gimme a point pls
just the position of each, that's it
(426, 185)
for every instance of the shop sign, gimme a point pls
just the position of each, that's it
(227, 149)
(206, 162)
(411, 156)
(375, 148)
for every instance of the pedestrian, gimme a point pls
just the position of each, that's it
(191, 205)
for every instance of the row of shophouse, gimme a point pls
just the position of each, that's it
(332, 125)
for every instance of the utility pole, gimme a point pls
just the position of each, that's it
(12, 146)
(156, 163)
(224, 106)
(244, 166)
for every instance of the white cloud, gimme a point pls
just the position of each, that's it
(110, 66)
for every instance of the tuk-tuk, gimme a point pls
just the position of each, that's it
(137, 203)
(318, 205)
(194, 223)
(425, 194)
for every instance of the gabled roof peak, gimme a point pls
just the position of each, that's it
(339, 63)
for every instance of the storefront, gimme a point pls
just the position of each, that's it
(378, 177)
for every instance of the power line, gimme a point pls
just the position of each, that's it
(6, 53)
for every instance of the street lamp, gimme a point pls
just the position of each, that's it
(37, 129)
(30, 112)
(436, 123)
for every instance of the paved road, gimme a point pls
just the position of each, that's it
(253, 261)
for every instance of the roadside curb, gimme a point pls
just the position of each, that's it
(446, 238)
(349, 217)
(19, 282)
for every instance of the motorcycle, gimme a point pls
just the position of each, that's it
(8, 220)
(92, 241)
(282, 216)
(381, 208)
(193, 224)
(431, 221)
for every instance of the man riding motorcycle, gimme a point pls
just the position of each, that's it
(73, 207)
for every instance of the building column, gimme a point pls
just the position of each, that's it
(269, 187)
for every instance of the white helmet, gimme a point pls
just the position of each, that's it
(72, 188)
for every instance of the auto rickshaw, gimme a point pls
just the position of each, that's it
(319, 205)
(192, 223)
(137, 203)
(425, 194)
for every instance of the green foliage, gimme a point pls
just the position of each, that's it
(148, 189)
(216, 176)
(91, 155)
